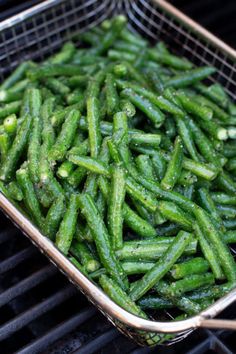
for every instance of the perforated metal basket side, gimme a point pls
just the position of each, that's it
(38, 32)
(158, 20)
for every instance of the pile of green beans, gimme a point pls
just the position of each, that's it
(122, 155)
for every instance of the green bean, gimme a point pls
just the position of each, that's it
(214, 237)
(77, 81)
(126, 47)
(115, 216)
(168, 229)
(144, 166)
(229, 149)
(132, 38)
(208, 204)
(31, 201)
(226, 211)
(203, 143)
(66, 136)
(231, 164)
(65, 55)
(190, 283)
(65, 170)
(81, 252)
(10, 124)
(34, 150)
(15, 191)
(94, 84)
(218, 112)
(102, 240)
(229, 224)
(184, 303)
(120, 70)
(93, 165)
(10, 164)
(231, 132)
(167, 260)
(226, 183)
(8, 96)
(205, 171)
(112, 98)
(151, 111)
(192, 107)
(214, 92)
(190, 77)
(77, 176)
(155, 303)
(4, 146)
(159, 165)
(150, 249)
(171, 196)
(93, 126)
(214, 130)
(197, 265)
(159, 101)
(223, 198)
(53, 217)
(68, 224)
(53, 70)
(169, 60)
(139, 193)
(149, 140)
(90, 185)
(187, 139)
(10, 108)
(137, 224)
(213, 292)
(174, 166)
(186, 178)
(110, 36)
(132, 268)
(230, 236)
(156, 81)
(16, 75)
(115, 292)
(134, 74)
(75, 97)
(175, 214)
(56, 86)
(128, 108)
(58, 116)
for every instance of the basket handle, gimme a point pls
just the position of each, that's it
(218, 324)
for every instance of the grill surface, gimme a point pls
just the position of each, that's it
(40, 312)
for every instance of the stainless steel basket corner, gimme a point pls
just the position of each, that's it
(40, 31)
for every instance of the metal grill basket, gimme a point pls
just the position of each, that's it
(37, 33)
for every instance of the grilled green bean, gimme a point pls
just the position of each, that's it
(68, 224)
(167, 260)
(102, 240)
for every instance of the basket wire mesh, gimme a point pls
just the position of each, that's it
(40, 31)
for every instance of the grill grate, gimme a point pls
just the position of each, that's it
(44, 313)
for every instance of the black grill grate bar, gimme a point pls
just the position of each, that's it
(98, 342)
(27, 284)
(143, 351)
(6, 235)
(203, 347)
(43, 342)
(219, 346)
(16, 259)
(36, 311)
